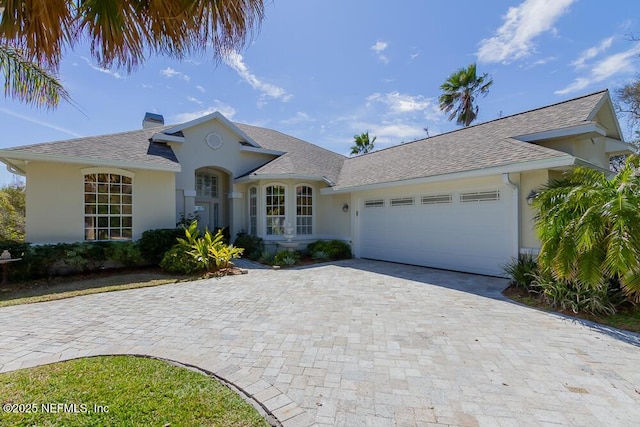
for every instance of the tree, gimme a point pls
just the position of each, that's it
(12, 213)
(363, 144)
(589, 227)
(459, 94)
(121, 33)
(29, 82)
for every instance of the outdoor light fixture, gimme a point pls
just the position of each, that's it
(345, 207)
(532, 195)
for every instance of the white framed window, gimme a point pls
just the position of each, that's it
(206, 185)
(304, 209)
(403, 201)
(275, 209)
(480, 196)
(378, 203)
(253, 211)
(108, 206)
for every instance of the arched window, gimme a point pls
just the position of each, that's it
(108, 206)
(275, 203)
(304, 209)
(253, 211)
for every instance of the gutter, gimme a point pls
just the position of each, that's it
(516, 213)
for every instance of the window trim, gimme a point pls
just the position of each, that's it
(374, 203)
(250, 198)
(84, 172)
(480, 196)
(313, 208)
(265, 206)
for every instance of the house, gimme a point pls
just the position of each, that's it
(456, 201)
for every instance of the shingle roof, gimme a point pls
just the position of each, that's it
(476, 147)
(126, 147)
(301, 158)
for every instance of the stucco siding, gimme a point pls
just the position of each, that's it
(55, 202)
(530, 181)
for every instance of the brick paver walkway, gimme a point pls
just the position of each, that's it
(355, 343)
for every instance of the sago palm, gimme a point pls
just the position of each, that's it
(459, 93)
(589, 227)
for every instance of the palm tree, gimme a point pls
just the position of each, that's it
(29, 82)
(459, 94)
(363, 144)
(122, 33)
(589, 227)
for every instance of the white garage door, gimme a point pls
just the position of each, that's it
(469, 231)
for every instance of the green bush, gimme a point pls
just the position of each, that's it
(335, 249)
(576, 297)
(252, 245)
(523, 271)
(266, 257)
(154, 243)
(177, 261)
(212, 253)
(126, 253)
(285, 258)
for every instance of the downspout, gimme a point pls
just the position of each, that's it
(516, 212)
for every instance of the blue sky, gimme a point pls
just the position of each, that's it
(325, 71)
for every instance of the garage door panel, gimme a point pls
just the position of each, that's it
(473, 236)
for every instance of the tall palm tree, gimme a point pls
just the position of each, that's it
(28, 82)
(362, 144)
(459, 94)
(589, 227)
(121, 33)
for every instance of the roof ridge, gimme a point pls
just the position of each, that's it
(291, 136)
(484, 123)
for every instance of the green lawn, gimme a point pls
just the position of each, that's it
(120, 391)
(67, 287)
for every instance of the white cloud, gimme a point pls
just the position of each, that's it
(201, 89)
(226, 110)
(194, 100)
(170, 72)
(592, 52)
(234, 60)
(113, 74)
(378, 49)
(522, 24)
(300, 117)
(400, 104)
(618, 63)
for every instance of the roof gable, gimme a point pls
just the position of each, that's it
(209, 117)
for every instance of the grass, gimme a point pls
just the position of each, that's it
(67, 287)
(627, 318)
(120, 391)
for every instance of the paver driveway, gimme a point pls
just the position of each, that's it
(355, 343)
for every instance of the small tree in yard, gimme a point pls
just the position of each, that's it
(12, 213)
(589, 227)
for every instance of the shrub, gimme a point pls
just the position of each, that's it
(319, 255)
(154, 243)
(266, 257)
(176, 260)
(252, 245)
(210, 252)
(522, 271)
(126, 253)
(576, 297)
(335, 249)
(286, 259)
